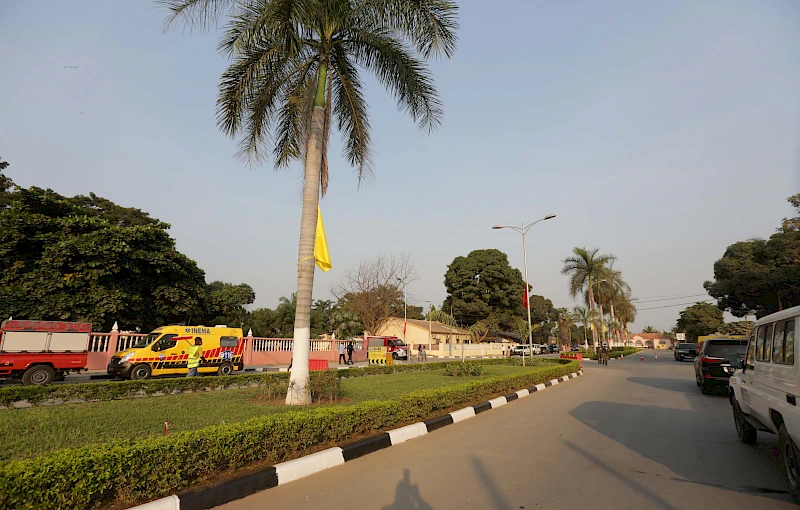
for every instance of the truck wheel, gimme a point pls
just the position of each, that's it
(744, 431)
(791, 466)
(140, 372)
(225, 369)
(38, 375)
(394, 356)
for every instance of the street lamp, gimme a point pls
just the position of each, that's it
(405, 320)
(524, 230)
(429, 323)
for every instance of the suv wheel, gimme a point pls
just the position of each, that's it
(790, 462)
(744, 431)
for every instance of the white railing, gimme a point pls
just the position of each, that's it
(128, 340)
(98, 342)
(272, 344)
(320, 345)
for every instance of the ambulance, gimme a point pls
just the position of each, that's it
(165, 351)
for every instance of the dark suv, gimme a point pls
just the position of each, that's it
(718, 359)
(686, 351)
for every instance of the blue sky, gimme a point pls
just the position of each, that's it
(658, 131)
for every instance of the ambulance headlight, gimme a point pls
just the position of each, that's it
(126, 357)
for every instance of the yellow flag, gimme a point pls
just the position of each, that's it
(321, 254)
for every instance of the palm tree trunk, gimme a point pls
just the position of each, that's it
(299, 393)
(613, 320)
(591, 313)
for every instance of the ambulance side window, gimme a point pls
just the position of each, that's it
(164, 343)
(228, 341)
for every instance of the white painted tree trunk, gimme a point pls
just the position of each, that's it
(299, 393)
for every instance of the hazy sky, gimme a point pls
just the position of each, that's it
(659, 131)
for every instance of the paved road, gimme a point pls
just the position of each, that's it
(629, 435)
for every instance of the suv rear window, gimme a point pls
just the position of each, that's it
(687, 346)
(725, 348)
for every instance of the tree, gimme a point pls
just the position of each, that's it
(63, 259)
(225, 302)
(295, 68)
(582, 316)
(649, 329)
(626, 312)
(700, 319)
(585, 269)
(759, 277)
(6, 185)
(371, 291)
(737, 328)
(565, 324)
(483, 287)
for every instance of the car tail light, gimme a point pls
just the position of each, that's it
(707, 376)
(709, 359)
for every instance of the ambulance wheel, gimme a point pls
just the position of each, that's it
(225, 369)
(140, 372)
(38, 375)
(395, 356)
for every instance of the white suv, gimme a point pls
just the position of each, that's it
(765, 391)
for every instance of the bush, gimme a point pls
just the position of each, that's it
(129, 472)
(464, 369)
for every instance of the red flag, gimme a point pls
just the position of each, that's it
(404, 328)
(525, 298)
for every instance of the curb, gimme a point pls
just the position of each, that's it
(289, 471)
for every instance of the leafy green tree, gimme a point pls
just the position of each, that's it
(700, 319)
(483, 286)
(225, 303)
(737, 328)
(6, 185)
(62, 259)
(296, 68)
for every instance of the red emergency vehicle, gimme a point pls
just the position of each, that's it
(40, 352)
(394, 345)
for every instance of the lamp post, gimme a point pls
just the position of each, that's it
(524, 230)
(405, 320)
(429, 324)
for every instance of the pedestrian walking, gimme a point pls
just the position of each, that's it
(350, 350)
(341, 354)
(422, 353)
(195, 357)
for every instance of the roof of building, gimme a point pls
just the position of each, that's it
(436, 327)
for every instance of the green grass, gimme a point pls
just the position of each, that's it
(34, 431)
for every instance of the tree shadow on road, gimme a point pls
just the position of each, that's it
(687, 445)
(665, 383)
(496, 495)
(407, 496)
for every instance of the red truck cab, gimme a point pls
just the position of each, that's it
(39, 352)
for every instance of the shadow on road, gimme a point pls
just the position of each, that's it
(644, 491)
(665, 383)
(407, 496)
(684, 442)
(498, 500)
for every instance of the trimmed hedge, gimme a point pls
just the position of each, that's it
(616, 353)
(464, 369)
(322, 382)
(115, 390)
(121, 472)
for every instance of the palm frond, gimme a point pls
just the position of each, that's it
(401, 73)
(430, 25)
(350, 108)
(291, 121)
(201, 14)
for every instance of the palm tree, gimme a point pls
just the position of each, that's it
(649, 329)
(581, 315)
(585, 269)
(610, 288)
(626, 311)
(565, 323)
(296, 67)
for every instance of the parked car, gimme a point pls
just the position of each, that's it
(553, 348)
(717, 360)
(764, 392)
(517, 350)
(685, 351)
(576, 348)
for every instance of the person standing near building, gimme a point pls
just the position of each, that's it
(341, 354)
(350, 350)
(195, 357)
